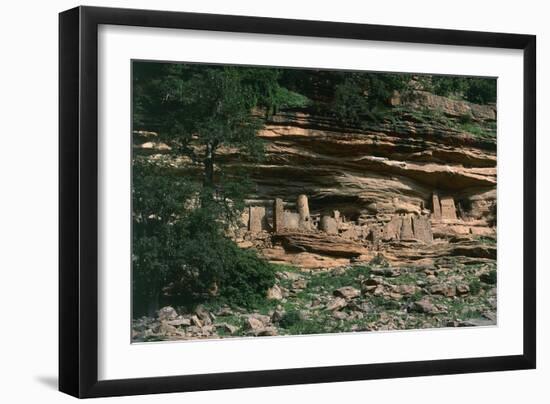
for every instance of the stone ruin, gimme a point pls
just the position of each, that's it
(443, 208)
(400, 227)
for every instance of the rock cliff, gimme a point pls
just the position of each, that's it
(415, 187)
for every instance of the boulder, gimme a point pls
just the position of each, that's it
(274, 293)
(253, 323)
(167, 313)
(320, 244)
(347, 292)
(229, 328)
(179, 322)
(423, 306)
(443, 290)
(203, 315)
(336, 304)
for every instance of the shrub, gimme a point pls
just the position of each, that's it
(475, 286)
(291, 318)
(247, 277)
(489, 277)
(466, 118)
(379, 260)
(214, 261)
(182, 248)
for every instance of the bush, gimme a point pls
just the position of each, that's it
(214, 262)
(477, 90)
(246, 277)
(158, 200)
(489, 277)
(466, 118)
(475, 286)
(182, 249)
(291, 318)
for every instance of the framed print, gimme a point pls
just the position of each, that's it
(251, 201)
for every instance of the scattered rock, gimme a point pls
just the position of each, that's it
(370, 285)
(277, 316)
(203, 315)
(266, 332)
(256, 321)
(423, 306)
(166, 329)
(379, 291)
(299, 284)
(194, 329)
(462, 289)
(293, 276)
(407, 290)
(340, 315)
(274, 293)
(179, 322)
(347, 292)
(252, 323)
(208, 329)
(388, 272)
(196, 321)
(224, 311)
(490, 316)
(356, 315)
(167, 313)
(443, 290)
(230, 328)
(336, 304)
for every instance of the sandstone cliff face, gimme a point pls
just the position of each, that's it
(427, 184)
(412, 188)
(387, 169)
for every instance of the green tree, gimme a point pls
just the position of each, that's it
(198, 110)
(159, 199)
(473, 89)
(362, 96)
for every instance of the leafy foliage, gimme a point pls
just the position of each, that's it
(477, 90)
(180, 241)
(158, 208)
(180, 228)
(212, 260)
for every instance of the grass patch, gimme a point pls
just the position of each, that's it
(330, 280)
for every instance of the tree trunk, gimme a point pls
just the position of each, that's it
(209, 166)
(153, 305)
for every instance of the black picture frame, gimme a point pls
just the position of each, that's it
(78, 201)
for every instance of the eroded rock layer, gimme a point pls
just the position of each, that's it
(389, 183)
(412, 189)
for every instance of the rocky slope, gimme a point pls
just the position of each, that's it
(342, 299)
